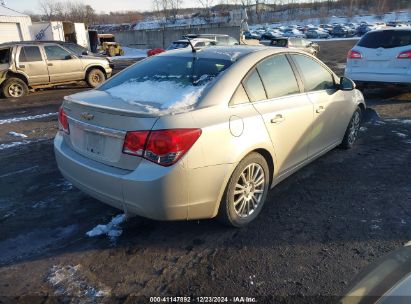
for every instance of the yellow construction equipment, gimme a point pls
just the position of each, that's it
(109, 46)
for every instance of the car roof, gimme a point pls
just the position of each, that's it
(222, 52)
(392, 29)
(33, 42)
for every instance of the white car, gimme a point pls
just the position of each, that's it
(196, 42)
(381, 56)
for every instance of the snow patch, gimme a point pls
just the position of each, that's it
(14, 144)
(402, 135)
(406, 121)
(32, 117)
(112, 229)
(15, 134)
(66, 185)
(155, 97)
(69, 280)
(233, 56)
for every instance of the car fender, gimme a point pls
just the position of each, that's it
(94, 65)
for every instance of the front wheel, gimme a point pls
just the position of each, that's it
(95, 77)
(351, 134)
(246, 191)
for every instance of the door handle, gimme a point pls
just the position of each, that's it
(49, 64)
(320, 109)
(22, 66)
(277, 119)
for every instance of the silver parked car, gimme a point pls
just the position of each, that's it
(192, 135)
(35, 64)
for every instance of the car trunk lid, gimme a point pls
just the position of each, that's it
(98, 124)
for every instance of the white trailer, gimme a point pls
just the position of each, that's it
(47, 31)
(62, 31)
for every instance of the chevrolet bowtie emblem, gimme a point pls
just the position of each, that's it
(87, 116)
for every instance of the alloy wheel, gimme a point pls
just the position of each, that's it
(16, 90)
(249, 190)
(354, 128)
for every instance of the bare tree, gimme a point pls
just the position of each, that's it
(174, 8)
(48, 8)
(206, 5)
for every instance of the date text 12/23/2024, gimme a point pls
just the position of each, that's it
(240, 299)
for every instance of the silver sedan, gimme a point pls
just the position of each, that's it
(197, 134)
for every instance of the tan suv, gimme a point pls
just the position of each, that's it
(25, 65)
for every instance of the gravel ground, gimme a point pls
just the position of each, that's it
(318, 229)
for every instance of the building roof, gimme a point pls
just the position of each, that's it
(5, 11)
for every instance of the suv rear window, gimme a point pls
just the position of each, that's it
(30, 54)
(4, 56)
(386, 39)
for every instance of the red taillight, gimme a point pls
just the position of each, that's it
(163, 147)
(63, 121)
(404, 55)
(354, 55)
(134, 142)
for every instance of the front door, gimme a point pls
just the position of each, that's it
(331, 113)
(63, 66)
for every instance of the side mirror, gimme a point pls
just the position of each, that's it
(346, 84)
(68, 57)
(84, 53)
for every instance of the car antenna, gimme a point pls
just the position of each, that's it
(192, 47)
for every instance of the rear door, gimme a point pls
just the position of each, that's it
(380, 50)
(31, 62)
(63, 66)
(331, 113)
(287, 113)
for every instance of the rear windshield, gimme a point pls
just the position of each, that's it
(164, 81)
(386, 39)
(4, 56)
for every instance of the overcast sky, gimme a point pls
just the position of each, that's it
(98, 5)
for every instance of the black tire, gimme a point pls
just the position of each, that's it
(14, 88)
(95, 77)
(239, 206)
(351, 134)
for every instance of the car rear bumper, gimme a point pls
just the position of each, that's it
(152, 191)
(378, 77)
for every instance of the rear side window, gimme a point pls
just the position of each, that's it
(4, 56)
(30, 54)
(240, 96)
(254, 87)
(314, 75)
(386, 39)
(278, 77)
(55, 52)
